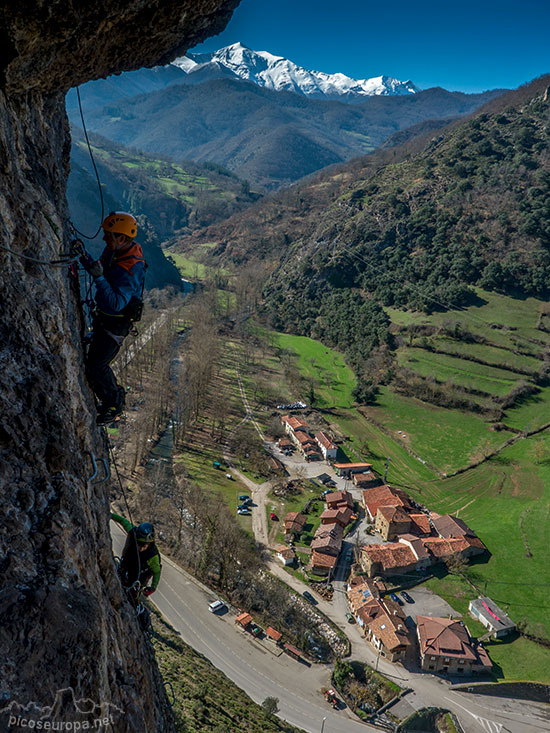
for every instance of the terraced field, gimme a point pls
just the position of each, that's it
(446, 439)
(506, 498)
(487, 351)
(464, 373)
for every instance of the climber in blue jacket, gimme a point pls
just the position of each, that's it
(119, 277)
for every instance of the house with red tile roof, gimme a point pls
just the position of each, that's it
(328, 539)
(338, 499)
(423, 557)
(298, 430)
(394, 558)
(420, 524)
(446, 647)
(307, 445)
(362, 593)
(322, 564)
(391, 521)
(389, 634)
(327, 446)
(381, 620)
(294, 523)
(342, 516)
(383, 496)
(285, 554)
(448, 526)
(365, 480)
(292, 424)
(442, 548)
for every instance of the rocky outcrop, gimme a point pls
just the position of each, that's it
(63, 620)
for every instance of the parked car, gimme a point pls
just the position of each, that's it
(244, 497)
(229, 476)
(273, 517)
(396, 599)
(216, 606)
(350, 618)
(242, 506)
(307, 595)
(245, 511)
(406, 597)
(331, 698)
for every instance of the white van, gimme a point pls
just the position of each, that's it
(216, 606)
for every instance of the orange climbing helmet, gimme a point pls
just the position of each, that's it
(119, 222)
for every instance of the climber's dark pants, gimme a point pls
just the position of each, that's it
(102, 350)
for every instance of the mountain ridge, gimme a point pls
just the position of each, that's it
(424, 201)
(281, 74)
(242, 126)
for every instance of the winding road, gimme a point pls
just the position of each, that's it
(257, 667)
(262, 670)
(475, 712)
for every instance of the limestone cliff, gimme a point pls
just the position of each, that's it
(63, 619)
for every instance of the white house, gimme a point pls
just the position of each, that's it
(328, 448)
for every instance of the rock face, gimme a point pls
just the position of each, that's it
(64, 622)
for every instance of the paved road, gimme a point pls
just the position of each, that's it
(256, 667)
(475, 712)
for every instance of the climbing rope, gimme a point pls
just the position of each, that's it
(95, 170)
(113, 460)
(173, 701)
(51, 263)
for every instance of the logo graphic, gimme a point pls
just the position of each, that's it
(66, 714)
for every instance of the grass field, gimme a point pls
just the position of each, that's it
(506, 500)
(447, 439)
(190, 269)
(334, 380)
(461, 372)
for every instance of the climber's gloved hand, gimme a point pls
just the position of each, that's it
(94, 267)
(148, 591)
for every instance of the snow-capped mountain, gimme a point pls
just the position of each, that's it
(278, 73)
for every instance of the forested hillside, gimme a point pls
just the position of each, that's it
(412, 227)
(269, 137)
(166, 197)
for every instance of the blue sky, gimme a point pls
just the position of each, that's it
(467, 46)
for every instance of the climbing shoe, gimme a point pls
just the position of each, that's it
(108, 415)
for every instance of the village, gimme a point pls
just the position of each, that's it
(378, 544)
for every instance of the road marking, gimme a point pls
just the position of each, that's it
(268, 680)
(491, 726)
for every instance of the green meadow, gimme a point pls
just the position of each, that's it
(446, 439)
(467, 374)
(506, 499)
(334, 380)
